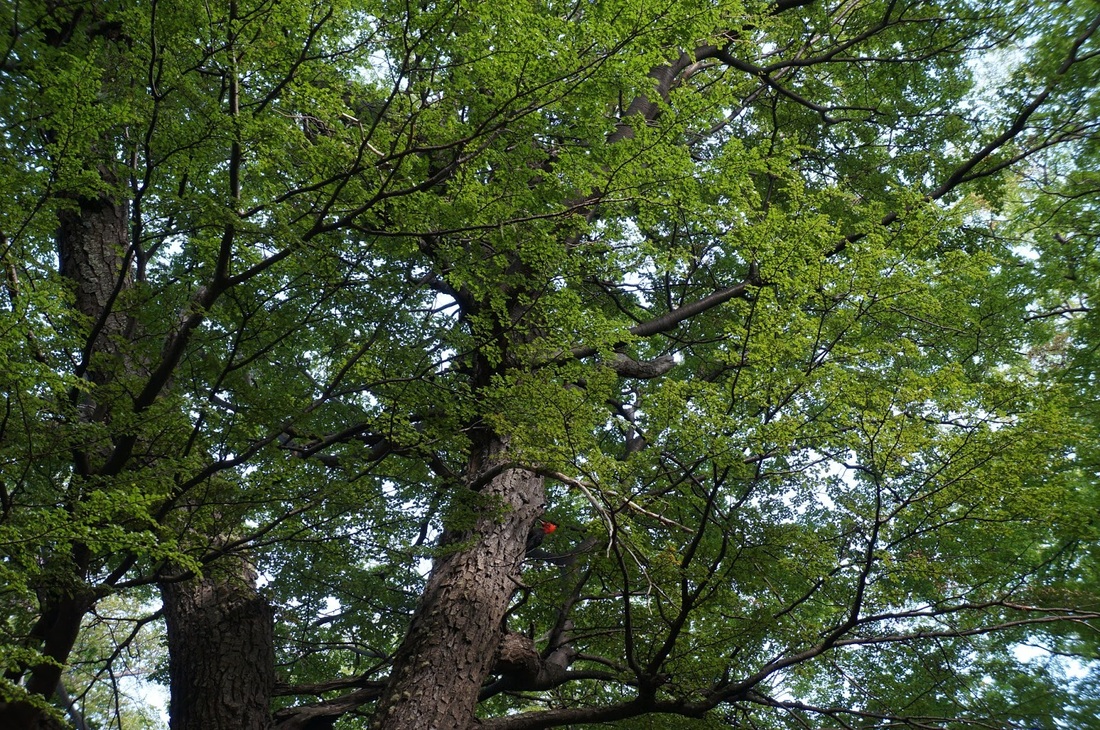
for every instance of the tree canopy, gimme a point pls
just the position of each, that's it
(782, 311)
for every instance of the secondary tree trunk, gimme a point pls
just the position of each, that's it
(54, 634)
(221, 649)
(454, 635)
(92, 242)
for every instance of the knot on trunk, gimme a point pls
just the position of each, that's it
(516, 655)
(522, 668)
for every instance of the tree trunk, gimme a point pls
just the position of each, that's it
(25, 716)
(220, 631)
(221, 649)
(55, 632)
(92, 242)
(454, 635)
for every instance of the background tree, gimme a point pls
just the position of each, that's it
(754, 300)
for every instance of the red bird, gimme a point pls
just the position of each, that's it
(535, 538)
(538, 534)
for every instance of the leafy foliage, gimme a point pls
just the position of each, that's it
(791, 303)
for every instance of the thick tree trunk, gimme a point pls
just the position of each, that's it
(221, 650)
(219, 628)
(454, 635)
(55, 633)
(92, 242)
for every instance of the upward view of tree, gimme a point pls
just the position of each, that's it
(780, 310)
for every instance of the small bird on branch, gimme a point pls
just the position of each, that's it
(538, 534)
(534, 540)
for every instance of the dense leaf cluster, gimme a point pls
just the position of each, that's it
(791, 305)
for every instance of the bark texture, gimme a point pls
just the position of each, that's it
(457, 629)
(221, 650)
(92, 244)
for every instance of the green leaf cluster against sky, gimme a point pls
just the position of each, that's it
(364, 232)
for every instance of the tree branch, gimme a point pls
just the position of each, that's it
(671, 319)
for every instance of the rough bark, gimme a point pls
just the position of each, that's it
(221, 650)
(457, 628)
(92, 243)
